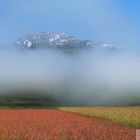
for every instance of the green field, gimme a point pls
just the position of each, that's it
(126, 115)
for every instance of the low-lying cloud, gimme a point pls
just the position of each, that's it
(86, 77)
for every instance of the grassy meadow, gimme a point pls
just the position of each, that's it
(126, 115)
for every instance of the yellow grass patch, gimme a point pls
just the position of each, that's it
(126, 115)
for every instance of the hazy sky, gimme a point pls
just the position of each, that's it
(113, 21)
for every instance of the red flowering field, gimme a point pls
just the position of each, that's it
(53, 124)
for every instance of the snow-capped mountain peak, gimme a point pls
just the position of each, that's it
(57, 40)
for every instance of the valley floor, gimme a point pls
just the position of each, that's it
(54, 124)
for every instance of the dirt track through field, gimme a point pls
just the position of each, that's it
(43, 124)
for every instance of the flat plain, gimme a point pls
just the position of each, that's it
(54, 124)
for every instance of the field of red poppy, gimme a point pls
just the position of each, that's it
(53, 124)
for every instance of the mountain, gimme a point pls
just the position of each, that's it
(57, 41)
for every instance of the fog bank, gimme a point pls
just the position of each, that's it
(86, 77)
